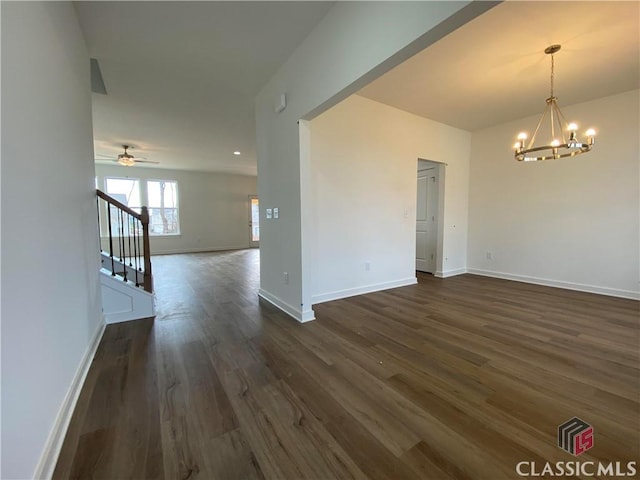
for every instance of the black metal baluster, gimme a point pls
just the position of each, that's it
(123, 251)
(99, 226)
(120, 244)
(129, 236)
(140, 252)
(135, 248)
(113, 266)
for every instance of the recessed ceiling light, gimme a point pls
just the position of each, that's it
(236, 153)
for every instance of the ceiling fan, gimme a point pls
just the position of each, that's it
(126, 159)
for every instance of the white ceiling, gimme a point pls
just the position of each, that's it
(493, 69)
(181, 76)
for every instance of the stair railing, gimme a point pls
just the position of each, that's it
(131, 256)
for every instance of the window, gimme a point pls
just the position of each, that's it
(163, 207)
(161, 200)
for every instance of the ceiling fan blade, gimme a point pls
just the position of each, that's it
(102, 155)
(145, 161)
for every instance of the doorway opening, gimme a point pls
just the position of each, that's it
(254, 221)
(429, 200)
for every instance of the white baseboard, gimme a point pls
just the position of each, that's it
(350, 292)
(558, 284)
(301, 316)
(450, 273)
(49, 457)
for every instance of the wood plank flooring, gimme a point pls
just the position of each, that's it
(449, 379)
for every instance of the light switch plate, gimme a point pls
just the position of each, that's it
(269, 213)
(276, 213)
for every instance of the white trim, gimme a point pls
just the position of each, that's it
(122, 301)
(49, 457)
(350, 292)
(450, 273)
(613, 292)
(301, 316)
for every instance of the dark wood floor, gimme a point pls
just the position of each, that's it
(449, 379)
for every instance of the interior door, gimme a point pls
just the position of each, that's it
(426, 220)
(254, 221)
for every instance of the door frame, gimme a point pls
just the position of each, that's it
(429, 224)
(441, 169)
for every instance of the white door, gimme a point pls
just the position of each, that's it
(254, 221)
(426, 220)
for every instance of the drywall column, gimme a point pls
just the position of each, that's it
(353, 44)
(51, 317)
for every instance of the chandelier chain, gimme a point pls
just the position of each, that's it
(552, 72)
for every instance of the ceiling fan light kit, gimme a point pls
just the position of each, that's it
(559, 146)
(126, 159)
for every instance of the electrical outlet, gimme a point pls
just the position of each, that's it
(367, 266)
(489, 256)
(286, 278)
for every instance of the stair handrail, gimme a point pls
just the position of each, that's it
(120, 205)
(143, 218)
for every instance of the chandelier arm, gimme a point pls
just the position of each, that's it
(535, 132)
(553, 129)
(565, 124)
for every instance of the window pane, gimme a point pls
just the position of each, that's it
(163, 207)
(159, 191)
(125, 190)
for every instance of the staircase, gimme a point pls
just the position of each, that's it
(125, 274)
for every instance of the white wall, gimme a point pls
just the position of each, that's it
(50, 316)
(213, 207)
(571, 222)
(353, 44)
(364, 158)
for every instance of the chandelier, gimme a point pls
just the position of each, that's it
(559, 146)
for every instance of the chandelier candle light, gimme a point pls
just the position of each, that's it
(560, 146)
